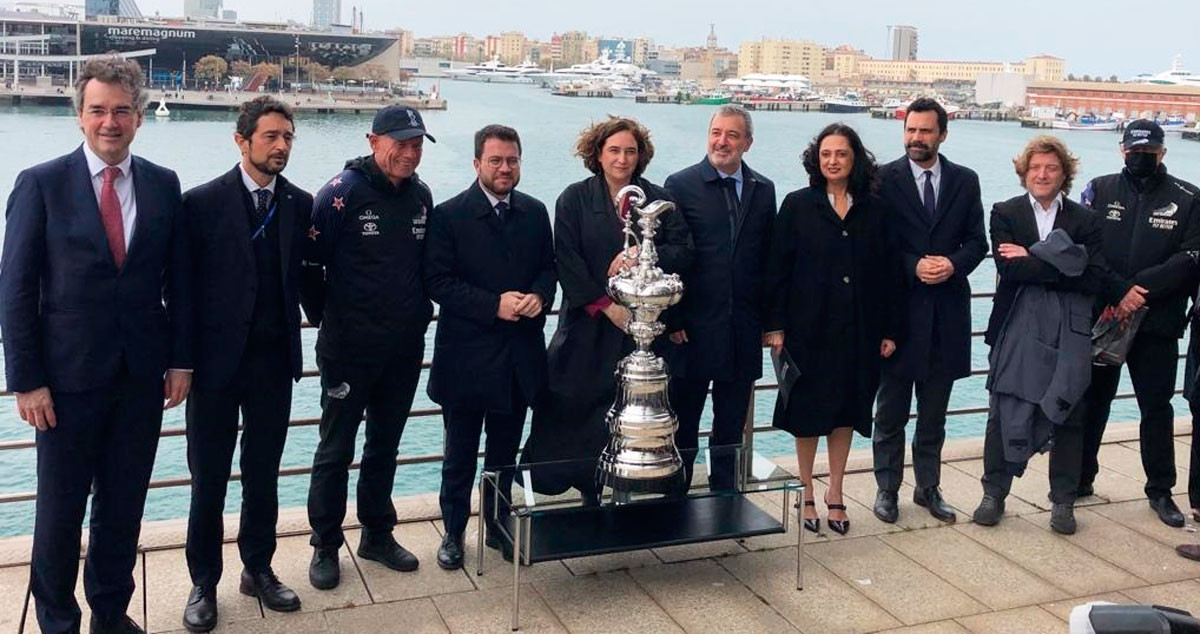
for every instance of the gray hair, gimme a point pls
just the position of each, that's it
(734, 110)
(112, 69)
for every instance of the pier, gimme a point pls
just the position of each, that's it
(323, 103)
(770, 105)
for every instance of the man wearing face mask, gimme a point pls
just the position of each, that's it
(363, 277)
(1151, 224)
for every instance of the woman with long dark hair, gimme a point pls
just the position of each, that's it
(835, 285)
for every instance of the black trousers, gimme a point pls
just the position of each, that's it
(105, 438)
(262, 391)
(1153, 363)
(1194, 463)
(1064, 460)
(384, 390)
(891, 418)
(463, 427)
(731, 399)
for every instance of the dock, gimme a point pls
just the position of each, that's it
(774, 105)
(917, 575)
(322, 103)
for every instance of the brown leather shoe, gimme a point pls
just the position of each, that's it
(1189, 551)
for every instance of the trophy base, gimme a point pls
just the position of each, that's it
(659, 476)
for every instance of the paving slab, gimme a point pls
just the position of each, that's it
(1050, 557)
(1123, 460)
(771, 502)
(168, 591)
(418, 616)
(701, 596)
(969, 566)
(1029, 620)
(294, 623)
(609, 563)
(771, 576)
(497, 573)
(1114, 486)
(13, 582)
(963, 491)
(605, 603)
(422, 540)
(1129, 550)
(940, 627)
(1181, 594)
(490, 610)
(896, 583)
(861, 488)
(706, 550)
(1030, 490)
(292, 556)
(1062, 609)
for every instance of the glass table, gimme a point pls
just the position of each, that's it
(541, 519)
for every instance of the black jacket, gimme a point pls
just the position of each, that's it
(723, 290)
(363, 263)
(938, 314)
(1152, 239)
(1013, 222)
(224, 276)
(471, 257)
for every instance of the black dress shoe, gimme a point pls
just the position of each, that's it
(1189, 551)
(989, 511)
(383, 548)
(266, 586)
(200, 615)
(324, 571)
(123, 625)
(1062, 519)
(450, 553)
(841, 527)
(1167, 511)
(887, 506)
(1085, 491)
(496, 542)
(931, 499)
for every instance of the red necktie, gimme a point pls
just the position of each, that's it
(110, 215)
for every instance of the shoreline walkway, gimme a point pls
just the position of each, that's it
(916, 576)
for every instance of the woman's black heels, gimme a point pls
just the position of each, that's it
(841, 527)
(813, 525)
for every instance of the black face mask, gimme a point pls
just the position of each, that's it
(1141, 164)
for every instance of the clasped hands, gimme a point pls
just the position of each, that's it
(934, 269)
(515, 305)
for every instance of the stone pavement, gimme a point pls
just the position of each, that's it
(917, 576)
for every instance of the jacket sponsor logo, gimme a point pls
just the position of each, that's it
(1114, 211)
(339, 392)
(370, 229)
(1166, 212)
(1163, 224)
(369, 215)
(419, 222)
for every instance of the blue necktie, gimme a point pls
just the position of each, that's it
(929, 195)
(501, 210)
(260, 208)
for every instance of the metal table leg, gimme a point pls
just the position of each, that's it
(517, 548)
(480, 533)
(800, 542)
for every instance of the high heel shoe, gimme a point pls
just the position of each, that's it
(841, 527)
(813, 525)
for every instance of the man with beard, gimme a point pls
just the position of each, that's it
(363, 272)
(489, 265)
(247, 230)
(937, 220)
(1151, 226)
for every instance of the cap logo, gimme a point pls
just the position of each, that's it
(412, 119)
(1139, 133)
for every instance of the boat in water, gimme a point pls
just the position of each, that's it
(716, 98)
(1086, 122)
(1176, 76)
(495, 71)
(847, 103)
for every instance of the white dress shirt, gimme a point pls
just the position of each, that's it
(253, 187)
(737, 179)
(493, 199)
(1045, 217)
(123, 185)
(919, 176)
(833, 201)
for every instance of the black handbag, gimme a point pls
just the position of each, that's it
(1112, 337)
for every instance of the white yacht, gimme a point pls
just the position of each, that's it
(497, 72)
(1176, 76)
(601, 67)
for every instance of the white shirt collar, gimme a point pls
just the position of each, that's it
(492, 197)
(253, 186)
(96, 164)
(737, 176)
(1054, 206)
(919, 172)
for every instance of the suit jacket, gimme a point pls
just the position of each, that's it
(1013, 222)
(70, 318)
(224, 275)
(471, 258)
(724, 289)
(939, 315)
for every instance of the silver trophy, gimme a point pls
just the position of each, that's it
(641, 455)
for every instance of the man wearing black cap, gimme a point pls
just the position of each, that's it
(363, 278)
(1151, 226)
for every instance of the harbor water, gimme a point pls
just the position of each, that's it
(199, 146)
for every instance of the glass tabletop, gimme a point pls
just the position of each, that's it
(718, 470)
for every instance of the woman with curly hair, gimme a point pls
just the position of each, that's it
(835, 288)
(590, 338)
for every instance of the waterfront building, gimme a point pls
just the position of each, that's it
(513, 47)
(782, 57)
(575, 46)
(201, 9)
(326, 13)
(1152, 101)
(903, 42)
(116, 8)
(850, 64)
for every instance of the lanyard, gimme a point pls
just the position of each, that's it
(266, 221)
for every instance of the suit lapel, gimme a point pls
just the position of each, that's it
(744, 203)
(1027, 222)
(287, 222)
(908, 186)
(87, 207)
(147, 209)
(947, 189)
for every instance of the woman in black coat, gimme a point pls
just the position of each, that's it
(590, 338)
(835, 283)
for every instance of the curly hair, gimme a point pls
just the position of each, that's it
(863, 175)
(1046, 144)
(592, 138)
(112, 69)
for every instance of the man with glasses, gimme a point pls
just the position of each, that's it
(489, 265)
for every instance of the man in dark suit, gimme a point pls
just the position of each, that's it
(489, 265)
(938, 220)
(94, 246)
(246, 230)
(1046, 169)
(717, 328)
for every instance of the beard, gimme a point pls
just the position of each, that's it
(919, 152)
(500, 188)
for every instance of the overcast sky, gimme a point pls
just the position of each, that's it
(1096, 37)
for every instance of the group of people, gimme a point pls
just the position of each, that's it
(861, 278)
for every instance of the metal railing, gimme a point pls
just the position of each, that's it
(751, 428)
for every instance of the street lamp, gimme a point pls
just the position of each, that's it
(297, 59)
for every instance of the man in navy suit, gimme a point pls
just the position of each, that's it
(94, 248)
(938, 216)
(717, 328)
(489, 264)
(246, 230)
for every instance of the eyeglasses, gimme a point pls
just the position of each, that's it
(119, 113)
(496, 161)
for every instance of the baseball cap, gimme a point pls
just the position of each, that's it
(400, 123)
(1142, 133)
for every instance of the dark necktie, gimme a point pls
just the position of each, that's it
(730, 186)
(929, 195)
(260, 207)
(110, 215)
(501, 210)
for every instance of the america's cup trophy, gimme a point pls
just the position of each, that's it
(641, 455)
